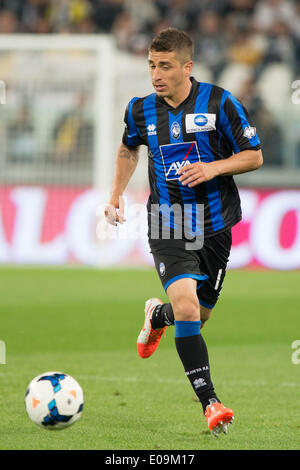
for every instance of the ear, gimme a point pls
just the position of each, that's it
(188, 66)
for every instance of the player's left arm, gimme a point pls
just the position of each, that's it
(242, 162)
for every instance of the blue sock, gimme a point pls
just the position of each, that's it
(187, 328)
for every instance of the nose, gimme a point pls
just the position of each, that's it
(156, 74)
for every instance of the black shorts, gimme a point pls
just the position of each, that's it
(207, 266)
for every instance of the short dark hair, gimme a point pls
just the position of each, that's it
(173, 40)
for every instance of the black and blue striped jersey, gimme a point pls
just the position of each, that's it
(210, 124)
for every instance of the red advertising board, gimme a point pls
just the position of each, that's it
(62, 225)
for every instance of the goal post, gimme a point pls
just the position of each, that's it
(46, 77)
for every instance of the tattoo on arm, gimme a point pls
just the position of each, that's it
(124, 153)
(132, 153)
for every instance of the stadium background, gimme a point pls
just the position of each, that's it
(67, 71)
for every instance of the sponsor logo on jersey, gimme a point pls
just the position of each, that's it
(178, 155)
(200, 122)
(174, 167)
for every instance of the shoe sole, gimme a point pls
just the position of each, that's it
(222, 426)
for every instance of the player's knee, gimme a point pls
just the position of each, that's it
(204, 315)
(203, 322)
(186, 309)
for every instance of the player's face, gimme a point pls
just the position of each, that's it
(170, 77)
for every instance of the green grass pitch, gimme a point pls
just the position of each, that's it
(85, 322)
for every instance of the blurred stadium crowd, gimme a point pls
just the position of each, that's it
(254, 34)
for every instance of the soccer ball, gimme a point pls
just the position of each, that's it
(54, 400)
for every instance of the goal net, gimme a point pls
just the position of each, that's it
(57, 118)
(56, 136)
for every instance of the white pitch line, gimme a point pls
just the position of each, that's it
(245, 383)
(130, 379)
(163, 380)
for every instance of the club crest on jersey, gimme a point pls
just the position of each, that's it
(175, 130)
(177, 155)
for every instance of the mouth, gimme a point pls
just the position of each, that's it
(159, 87)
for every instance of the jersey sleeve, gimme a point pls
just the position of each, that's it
(131, 135)
(237, 126)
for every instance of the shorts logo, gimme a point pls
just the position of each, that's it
(175, 156)
(200, 122)
(162, 269)
(175, 130)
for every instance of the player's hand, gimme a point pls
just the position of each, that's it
(114, 212)
(197, 173)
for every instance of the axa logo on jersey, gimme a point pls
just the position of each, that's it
(176, 156)
(174, 167)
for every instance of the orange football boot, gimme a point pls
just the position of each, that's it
(218, 418)
(149, 338)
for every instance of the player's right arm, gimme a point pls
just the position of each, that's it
(126, 162)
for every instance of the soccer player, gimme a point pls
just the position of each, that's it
(198, 135)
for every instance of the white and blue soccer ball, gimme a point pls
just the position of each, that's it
(54, 400)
